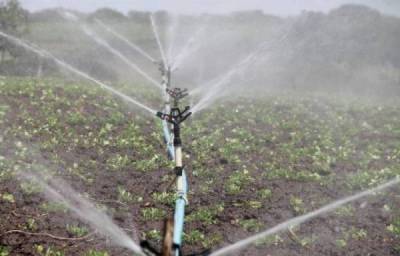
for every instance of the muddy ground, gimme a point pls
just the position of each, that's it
(38, 119)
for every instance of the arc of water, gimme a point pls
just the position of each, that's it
(58, 191)
(106, 45)
(303, 218)
(45, 54)
(156, 35)
(126, 41)
(216, 87)
(187, 49)
(174, 24)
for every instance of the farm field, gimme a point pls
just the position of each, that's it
(252, 162)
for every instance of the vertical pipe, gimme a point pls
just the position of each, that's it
(167, 139)
(179, 217)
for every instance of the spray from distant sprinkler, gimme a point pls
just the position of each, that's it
(126, 41)
(45, 54)
(187, 49)
(214, 87)
(106, 45)
(156, 35)
(174, 24)
(100, 41)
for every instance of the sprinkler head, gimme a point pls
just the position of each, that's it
(177, 93)
(176, 116)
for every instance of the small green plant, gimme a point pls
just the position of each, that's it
(153, 234)
(31, 187)
(194, 237)
(124, 195)
(358, 234)
(4, 251)
(264, 193)
(118, 162)
(76, 118)
(153, 214)
(394, 227)
(345, 211)
(31, 224)
(306, 241)
(238, 181)
(42, 251)
(77, 230)
(206, 215)
(198, 237)
(341, 243)
(211, 240)
(251, 225)
(147, 164)
(8, 197)
(297, 205)
(270, 240)
(254, 204)
(164, 198)
(96, 253)
(54, 207)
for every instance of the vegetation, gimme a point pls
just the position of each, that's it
(253, 160)
(317, 144)
(13, 20)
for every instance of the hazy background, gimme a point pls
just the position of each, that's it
(282, 7)
(332, 47)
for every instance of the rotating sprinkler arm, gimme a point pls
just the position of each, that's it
(176, 117)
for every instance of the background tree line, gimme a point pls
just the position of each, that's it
(352, 47)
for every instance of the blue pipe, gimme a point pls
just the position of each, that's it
(179, 217)
(180, 203)
(167, 139)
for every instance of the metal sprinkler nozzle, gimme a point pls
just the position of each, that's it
(177, 93)
(176, 116)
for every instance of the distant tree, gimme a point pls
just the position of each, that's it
(138, 16)
(108, 14)
(49, 15)
(248, 16)
(13, 20)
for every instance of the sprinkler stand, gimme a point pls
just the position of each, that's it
(175, 118)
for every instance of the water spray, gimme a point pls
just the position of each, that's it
(45, 54)
(234, 248)
(126, 41)
(100, 41)
(157, 37)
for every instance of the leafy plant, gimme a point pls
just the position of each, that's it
(124, 195)
(394, 227)
(96, 253)
(206, 215)
(297, 205)
(76, 230)
(251, 225)
(49, 251)
(4, 251)
(153, 214)
(238, 181)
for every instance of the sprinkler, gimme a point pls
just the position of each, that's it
(175, 117)
(172, 117)
(177, 94)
